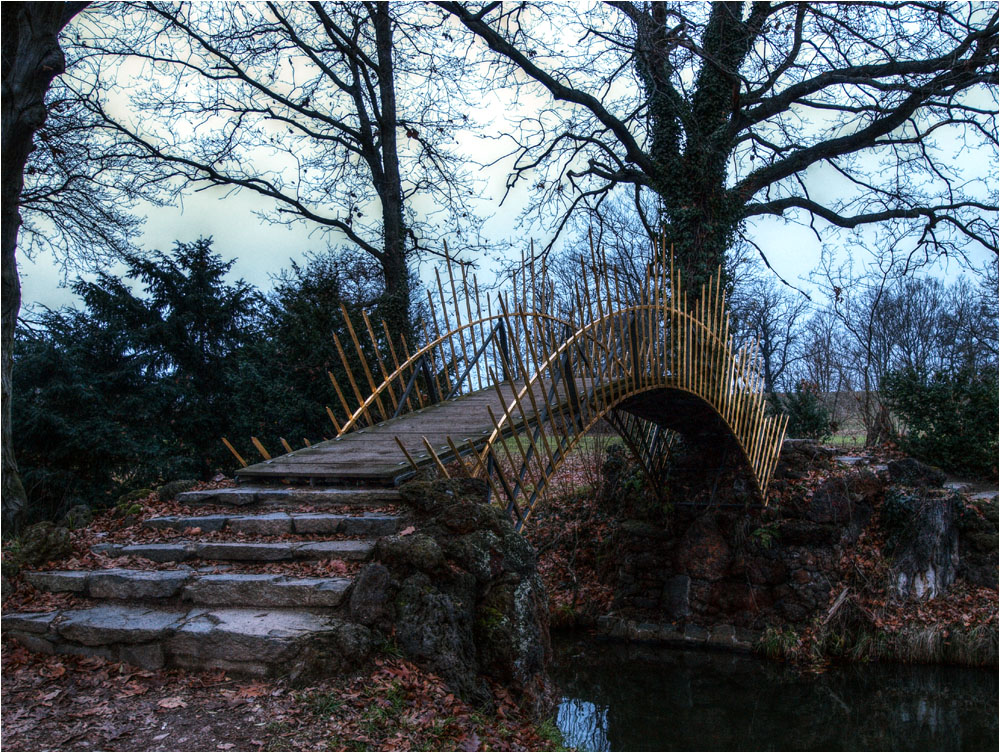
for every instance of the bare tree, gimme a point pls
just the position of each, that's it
(31, 59)
(79, 192)
(334, 111)
(771, 316)
(839, 115)
(888, 319)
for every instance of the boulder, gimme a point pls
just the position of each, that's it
(435, 629)
(78, 516)
(44, 542)
(416, 551)
(171, 489)
(911, 472)
(470, 604)
(846, 498)
(512, 634)
(431, 496)
(799, 456)
(372, 596)
(676, 597)
(465, 518)
(978, 545)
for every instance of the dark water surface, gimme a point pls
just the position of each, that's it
(617, 697)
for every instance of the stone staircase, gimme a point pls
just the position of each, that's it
(198, 600)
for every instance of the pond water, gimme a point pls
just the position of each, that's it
(620, 697)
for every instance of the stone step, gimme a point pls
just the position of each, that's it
(268, 643)
(987, 495)
(242, 551)
(958, 486)
(226, 589)
(243, 496)
(276, 523)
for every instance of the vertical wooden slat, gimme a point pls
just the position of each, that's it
(378, 357)
(364, 363)
(333, 420)
(260, 448)
(232, 449)
(407, 455)
(354, 384)
(340, 396)
(437, 461)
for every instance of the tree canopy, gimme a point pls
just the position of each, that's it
(833, 114)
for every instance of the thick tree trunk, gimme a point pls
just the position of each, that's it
(700, 218)
(31, 59)
(396, 302)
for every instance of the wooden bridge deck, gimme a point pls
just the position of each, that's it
(372, 456)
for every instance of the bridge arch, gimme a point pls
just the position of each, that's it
(543, 366)
(666, 368)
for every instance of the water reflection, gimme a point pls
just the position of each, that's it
(640, 698)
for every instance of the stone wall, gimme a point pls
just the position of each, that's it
(748, 569)
(459, 593)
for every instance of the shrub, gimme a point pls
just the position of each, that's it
(808, 417)
(950, 416)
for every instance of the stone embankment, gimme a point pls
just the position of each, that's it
(721, 577)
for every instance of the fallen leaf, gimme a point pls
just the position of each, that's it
(252, 691)
(56, 670)
(174, 702)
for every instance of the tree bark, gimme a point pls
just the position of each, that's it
(32, 58)
(396, 300)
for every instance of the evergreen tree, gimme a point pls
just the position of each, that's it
(304, 315)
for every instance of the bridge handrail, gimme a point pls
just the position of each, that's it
(412, 360)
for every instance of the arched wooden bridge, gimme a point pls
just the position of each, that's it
(504, 392)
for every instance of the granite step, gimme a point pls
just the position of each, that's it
(243, 496)
(277, 523)
(242, 551)
(225, 589)
(254, 642)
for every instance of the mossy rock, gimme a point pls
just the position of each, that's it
(463, 517)
(133, 496)
(44, 542)
(416, 551)
(431, 496)
(512, 631)
(912, 472)
(171, 489)
(78, 516)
